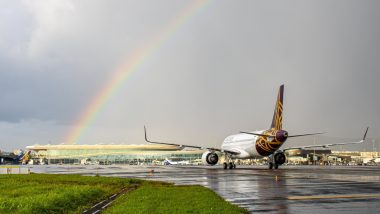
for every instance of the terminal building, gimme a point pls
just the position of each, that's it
(111, 154)
(328, 157)
(105, 154)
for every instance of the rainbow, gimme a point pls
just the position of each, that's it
(126, 69)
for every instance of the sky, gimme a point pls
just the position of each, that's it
(215, 74)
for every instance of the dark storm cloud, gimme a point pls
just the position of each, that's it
(216, 75)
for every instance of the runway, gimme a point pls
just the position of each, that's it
(291, 189)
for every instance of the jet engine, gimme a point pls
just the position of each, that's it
(210, 158)
(279, 158)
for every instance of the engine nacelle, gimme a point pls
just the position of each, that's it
(279, 158)
(210, 158)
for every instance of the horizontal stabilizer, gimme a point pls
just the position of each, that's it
(301, 135)
(262, 135)
(266, 135)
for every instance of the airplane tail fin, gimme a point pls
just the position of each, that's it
(277, 115)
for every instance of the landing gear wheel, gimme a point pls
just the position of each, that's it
(230, 165)
(270, 165)
(224, 165)
(276, 166)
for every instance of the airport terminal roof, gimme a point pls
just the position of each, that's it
(104, 147)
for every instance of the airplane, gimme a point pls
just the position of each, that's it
(22, 158)
(170, 162)
(258, 144)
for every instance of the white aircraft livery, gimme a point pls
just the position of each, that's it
(258, 144)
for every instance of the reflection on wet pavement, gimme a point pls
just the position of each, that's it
(291, 189)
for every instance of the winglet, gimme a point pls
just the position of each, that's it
(365, 134)
(146, 138)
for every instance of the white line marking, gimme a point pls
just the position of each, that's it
(106, 205)
(97, 204)
(96, 211)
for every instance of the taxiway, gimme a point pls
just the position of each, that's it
(291, 189)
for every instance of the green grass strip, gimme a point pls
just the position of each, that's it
(42, 193)
(167, 198)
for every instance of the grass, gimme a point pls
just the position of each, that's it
(157, 197)
(44, 193)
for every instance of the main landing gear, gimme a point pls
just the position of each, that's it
(271, 165)
(277, 159)
(231, 164)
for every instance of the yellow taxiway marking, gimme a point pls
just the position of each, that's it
(9, 166)
(313, 197)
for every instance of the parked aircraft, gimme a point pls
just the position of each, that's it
(258, 144)
(10, 158)
(171, 162)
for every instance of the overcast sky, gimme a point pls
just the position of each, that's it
(216, 75)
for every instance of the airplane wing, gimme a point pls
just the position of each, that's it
(231, 152)
(328, 145)
(190, 146)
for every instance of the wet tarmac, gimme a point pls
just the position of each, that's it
(291, 189)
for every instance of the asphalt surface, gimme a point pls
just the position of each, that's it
(291, 189)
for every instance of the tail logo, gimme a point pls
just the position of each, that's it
(277, 115)
(265, 146)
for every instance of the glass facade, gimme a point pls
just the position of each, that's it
(111, 154)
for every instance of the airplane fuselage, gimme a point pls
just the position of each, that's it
(251, 146)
